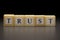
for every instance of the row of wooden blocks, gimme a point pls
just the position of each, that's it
(29, 20)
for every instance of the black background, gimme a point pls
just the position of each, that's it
(16, 7)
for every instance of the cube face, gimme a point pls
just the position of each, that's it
(50, 20)
(8, 20)
(29, 20)
(39, 20)
(19, 20)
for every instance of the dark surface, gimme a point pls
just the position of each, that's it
(30, 33)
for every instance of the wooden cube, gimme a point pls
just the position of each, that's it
(19, 20)
(39, 20)
(9, 20)
(50, 20)
(29, 20)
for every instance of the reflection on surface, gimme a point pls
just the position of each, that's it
(29, 33)
(1, 33)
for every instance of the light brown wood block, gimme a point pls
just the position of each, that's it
(50, 20)
(19, 20)
(8, 20)
(39, 20)
(29, 20)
